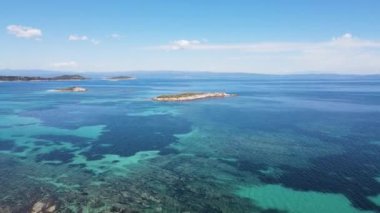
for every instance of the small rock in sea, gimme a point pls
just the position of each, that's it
(72, 89)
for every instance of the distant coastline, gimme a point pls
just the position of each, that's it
(193, 74)
(38, 78)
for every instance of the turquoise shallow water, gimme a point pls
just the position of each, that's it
(284, 144)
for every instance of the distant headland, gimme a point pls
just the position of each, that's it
(32, 78)
(190, 96)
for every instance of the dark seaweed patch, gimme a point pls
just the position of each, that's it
(58, 139)
(56, 155)
(246, 165)
(41, 143)
(79, 165)
(168, 151)
(36, 149)
(92, 156)
(272, 211)
(19, 149)
(352, 174)
(127, 135)
(6, 145)
(89, 172)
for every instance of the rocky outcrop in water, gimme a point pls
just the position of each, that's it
(72, 89)
(192, 96)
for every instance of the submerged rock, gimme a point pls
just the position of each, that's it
(192, 96)
(72, 89)
(44, 207)
(5, 210)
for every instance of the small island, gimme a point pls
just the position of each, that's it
(192, 96)
(32, 78)
(121, 78)
(72, 89)
(68, 78)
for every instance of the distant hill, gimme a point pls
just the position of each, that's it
(41, 73)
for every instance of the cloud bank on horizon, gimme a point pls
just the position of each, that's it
(344, 41)
(341, 54)
(344, 54)
(232, 37)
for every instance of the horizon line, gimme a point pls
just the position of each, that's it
(191, 71)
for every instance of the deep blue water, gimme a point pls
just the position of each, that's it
(284, 144)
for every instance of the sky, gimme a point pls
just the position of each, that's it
(255, 36)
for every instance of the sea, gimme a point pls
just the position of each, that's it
(285, 143)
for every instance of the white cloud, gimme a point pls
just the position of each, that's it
(83, 38)
(347, 36)
(182, 44)
(65, 64)
(95, 42)
(115, 36)
(344, 41)
(77, 38)
(24, 32)
(343, 54)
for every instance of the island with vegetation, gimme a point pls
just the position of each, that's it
(72, 89)
(121, 78)
(32, 78)
(190, 96)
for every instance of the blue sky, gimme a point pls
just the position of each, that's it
(293, 36)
